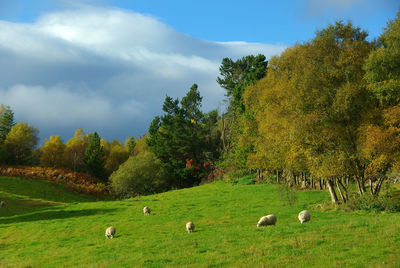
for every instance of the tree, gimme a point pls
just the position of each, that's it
(237, 75)
(311, 106)
(380, 138)
(237, 122)
(139, 175)
(118, 155)
(178, 138)
(20, 142)
(383, 66)
(6, 122)
(52, 152)
(130, 144)
(94, 156)
(74, 153)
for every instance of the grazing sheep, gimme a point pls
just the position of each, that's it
(267, 220)
(190, 227)
(2, 204)
(304, 216)
(146, 210)
(110, 232)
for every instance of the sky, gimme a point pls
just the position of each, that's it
(107, 65)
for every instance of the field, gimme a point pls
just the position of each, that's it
(46, 225)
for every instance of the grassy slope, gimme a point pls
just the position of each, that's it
(226, 235)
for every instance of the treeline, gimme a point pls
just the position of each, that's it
(327, 109)
(325, 112)
(82, 153)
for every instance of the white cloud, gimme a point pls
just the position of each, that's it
(107, 70)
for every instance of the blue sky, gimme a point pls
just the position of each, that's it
(106, 66)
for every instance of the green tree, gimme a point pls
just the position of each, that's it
(237, 123)
(139, 175)
(383, 65)
(94, 156)
(179, 139)
(20, 142)
(6, 122)
(130, 144)
(237, 75)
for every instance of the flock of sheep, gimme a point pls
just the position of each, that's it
(303, 216)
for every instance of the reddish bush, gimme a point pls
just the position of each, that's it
(80, 182)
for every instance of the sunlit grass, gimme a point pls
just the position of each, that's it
(225, 215)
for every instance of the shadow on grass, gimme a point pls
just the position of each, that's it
(54, 215)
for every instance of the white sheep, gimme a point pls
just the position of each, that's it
(2, 204)
(146, 210)
(267, 220)
(190, 227)
(110, 232)
(304, 216)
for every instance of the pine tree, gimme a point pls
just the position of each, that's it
(94, 157)
(130, 144)
(180, 139)
(6, 122)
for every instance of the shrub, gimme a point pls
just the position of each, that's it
(245, 180)
(233, 173)
(389, 201)
(139, 175)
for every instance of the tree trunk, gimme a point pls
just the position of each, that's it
(361, 186)
(345, 189)
(277, 176)
(332, 192)
(340, 190)
(320, 184)
(371, 187)
(378, 186)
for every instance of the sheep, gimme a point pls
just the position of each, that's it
(2, 204)
(110, 232)
(190, 227)
(267, 220)
(146, 210)
(304, 216)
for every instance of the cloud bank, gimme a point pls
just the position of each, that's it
(106, 70)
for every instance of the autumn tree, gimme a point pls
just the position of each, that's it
(20, 142)
(74, 153)
(380, 138)
(118, 155)
(311, 105)
(52, 152)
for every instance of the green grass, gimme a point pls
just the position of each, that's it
(72, 234)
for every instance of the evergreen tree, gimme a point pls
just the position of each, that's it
(237, 123)
(6, 122)
(179, 139)
(130, 144)
(94, 156)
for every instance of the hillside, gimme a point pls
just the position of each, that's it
(69, 230)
